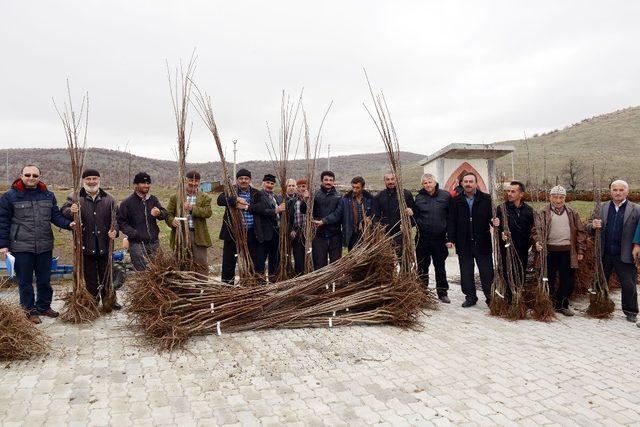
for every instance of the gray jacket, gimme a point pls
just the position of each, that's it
(630, 222)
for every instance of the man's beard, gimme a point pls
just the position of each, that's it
(91, 188)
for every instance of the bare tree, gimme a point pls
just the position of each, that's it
(574, 173)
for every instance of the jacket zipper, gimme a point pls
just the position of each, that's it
(146, 219)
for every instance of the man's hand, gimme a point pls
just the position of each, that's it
(187, 207)
(3, 252)
(125, 243)
(505, 235)
(74, 208)
(72, 225)
(305, 194)
(450, 245)
(538, 246)
(175, 223)
(495, 222)
(293, 234)
(112, 234)
(318, 222)
(409, 211)
(580, 257)
(155, 212)
(241, 204)
(280, 208)
(596, 223)
(635, 252)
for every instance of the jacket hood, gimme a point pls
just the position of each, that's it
(19, 185)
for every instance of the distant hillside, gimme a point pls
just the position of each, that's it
(611, 140)
(114, 166)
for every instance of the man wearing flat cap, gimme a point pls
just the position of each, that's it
(566, 243)
(97, 211)
(267, 209)
(137, 219)
(247, 195)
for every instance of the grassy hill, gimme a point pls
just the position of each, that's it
(611, 141)
(117, 167)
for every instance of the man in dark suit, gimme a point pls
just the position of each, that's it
(468, 229)
(267, 209)
(619, 221)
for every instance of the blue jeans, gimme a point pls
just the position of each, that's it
(26, 264)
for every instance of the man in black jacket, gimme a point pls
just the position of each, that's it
(247, 195)
(468, 228)
(327, 215)
(266, 210)
(98, 211)
(358, 209)
(430, 212)
(388, 209)
(137, 219)
(520, 217)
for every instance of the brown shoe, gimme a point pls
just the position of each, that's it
(50, 313)
(34, 318)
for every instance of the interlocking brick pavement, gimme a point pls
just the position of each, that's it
(464, 368)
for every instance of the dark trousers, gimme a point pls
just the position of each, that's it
(324, 247)
(467, 280)
(436, 250)
(268, 251)
(628, 278)
(559, 265)
(141, 253)
(95, 274)
(297, 247)
(26, 264)
(229, 257)
(355, 238)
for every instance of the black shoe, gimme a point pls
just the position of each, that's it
(632, 318)
(444, 298)
(117, 306)
(488, 301)
(468, 303)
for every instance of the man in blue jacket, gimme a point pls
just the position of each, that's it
(26, 211)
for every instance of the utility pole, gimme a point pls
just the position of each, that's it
(328, 157)
(235, 150)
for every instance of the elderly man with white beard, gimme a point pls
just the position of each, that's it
(97, 210)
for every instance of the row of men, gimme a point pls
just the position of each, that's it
(442, 222)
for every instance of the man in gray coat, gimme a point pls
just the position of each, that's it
(619, 219)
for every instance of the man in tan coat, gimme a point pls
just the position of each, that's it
(566, 243)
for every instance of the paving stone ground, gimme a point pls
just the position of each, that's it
(463, 368)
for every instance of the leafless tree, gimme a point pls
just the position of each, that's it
(574, 173)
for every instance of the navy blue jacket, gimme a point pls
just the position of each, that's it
(26, 216)
(347, 213)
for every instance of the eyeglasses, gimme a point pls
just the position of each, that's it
(29, 175)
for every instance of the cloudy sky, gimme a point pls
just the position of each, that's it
(451, 71)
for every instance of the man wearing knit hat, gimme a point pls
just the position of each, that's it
(266, 210)
(247, 195)
(566, 243)
(97, 211)
(137, 219)
(619, 219)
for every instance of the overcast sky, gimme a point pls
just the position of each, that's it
(451, 71)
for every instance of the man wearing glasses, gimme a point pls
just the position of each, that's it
(26, 211)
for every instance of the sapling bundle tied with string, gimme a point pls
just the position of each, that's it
(180, 87)
(499, 305)
(80, 306)
(170, 305)
(279, 153)
(600, 304)
(19, 337)
(514, 271)
(235, 218)
(543, 308)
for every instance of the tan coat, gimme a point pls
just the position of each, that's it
(578, 233)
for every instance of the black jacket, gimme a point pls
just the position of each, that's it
(135, 219)
(520, 225)
(387, 210)
(266, 221)
(469, 235)
(225, 231)
(431, 214)
(348, 219)
(327, 207)
(96, 220)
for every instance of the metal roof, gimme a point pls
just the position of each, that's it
(470, 151)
